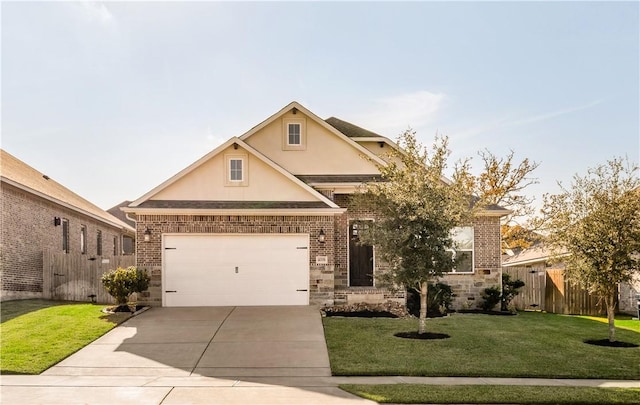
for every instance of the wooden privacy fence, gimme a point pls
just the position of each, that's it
(547, 290)
(75, 277)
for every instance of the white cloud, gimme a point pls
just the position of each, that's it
(97, 12)
(392, 115)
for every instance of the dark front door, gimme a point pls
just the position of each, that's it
(360, 257)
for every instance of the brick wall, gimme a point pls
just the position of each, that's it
(467, 287)
(321, 278)
(28, 229)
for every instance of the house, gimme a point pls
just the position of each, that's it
(40, 214)
(266, 219)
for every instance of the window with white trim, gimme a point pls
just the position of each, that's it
(236, 169)
(463, 250)
(65, 235)
(294, 135)
(99, 243)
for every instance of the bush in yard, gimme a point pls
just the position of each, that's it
(121, 283)
(510, 288)
(439, 300)
(491, 297)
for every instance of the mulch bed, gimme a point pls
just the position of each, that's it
(607, 343)
(422, 336)
(389, 309)
(124, 308)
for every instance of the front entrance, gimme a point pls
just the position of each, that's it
(360, 257)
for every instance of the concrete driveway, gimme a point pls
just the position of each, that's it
(209, 341)
(213, 355)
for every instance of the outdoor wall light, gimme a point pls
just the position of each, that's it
(321, 236)
(56, 221)
(294, 110)
(147, 234)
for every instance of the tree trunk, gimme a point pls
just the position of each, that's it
(611, 311)
(422, 323)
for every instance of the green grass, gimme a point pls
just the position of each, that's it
(527, 345)
(36, 334)
(622, 322)
(493, 394)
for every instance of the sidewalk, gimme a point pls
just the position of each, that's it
(156, 390)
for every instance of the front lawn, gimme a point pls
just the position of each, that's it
(493, 394)
(527, 345)
(36, 334)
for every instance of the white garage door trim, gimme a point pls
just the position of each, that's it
(236, 269)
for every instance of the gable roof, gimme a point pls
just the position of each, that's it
(15, 172)
(319, 121)
(144, 202)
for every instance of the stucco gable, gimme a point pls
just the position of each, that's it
(324, 150)
(205, 184)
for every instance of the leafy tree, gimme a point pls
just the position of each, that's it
(416, 210)
(121, 283)
(594, 226)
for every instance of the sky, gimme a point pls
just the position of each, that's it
(111, 99)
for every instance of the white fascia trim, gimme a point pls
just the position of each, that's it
(320, 122)
(524, 262)
(281, 211)
(125, 228)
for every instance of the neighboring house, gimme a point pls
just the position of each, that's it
(128, 241)
(40, 214)
(537, 256)
(266, 219)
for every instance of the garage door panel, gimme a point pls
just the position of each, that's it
(201, 269)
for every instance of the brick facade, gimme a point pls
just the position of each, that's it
(321, 277)
(28, 229)
(328, 283)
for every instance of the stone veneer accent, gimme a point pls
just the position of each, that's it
(321, 277)
(28, 230)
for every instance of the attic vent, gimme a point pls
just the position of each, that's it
(45, 177)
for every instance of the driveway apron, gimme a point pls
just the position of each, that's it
(222, 342)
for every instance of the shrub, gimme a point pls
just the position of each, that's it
(121, 283)
(509, 290)
(491, 297)
(439, 300)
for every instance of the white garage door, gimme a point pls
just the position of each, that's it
(239, 269)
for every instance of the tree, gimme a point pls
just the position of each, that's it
(594, 226)
(415, 213)
(417, 209)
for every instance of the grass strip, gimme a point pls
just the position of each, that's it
(37, 335)
(492, 394)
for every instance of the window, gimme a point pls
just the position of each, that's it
(235, 170)
(65, 235)
(99, 243)
(294, 134)
(463, 239)
(115, 246)
(83, 239)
